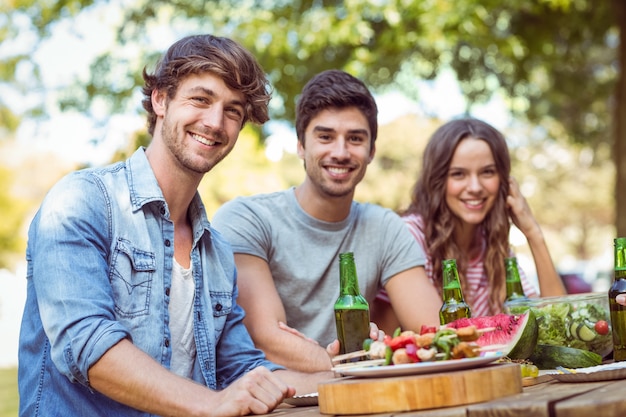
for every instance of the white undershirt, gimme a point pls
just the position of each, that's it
(181, 321)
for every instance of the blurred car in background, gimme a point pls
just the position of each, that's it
(593, 275)
(575, 283)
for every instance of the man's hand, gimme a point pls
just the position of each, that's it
(333, 347)
(257, 392)
(375, 334)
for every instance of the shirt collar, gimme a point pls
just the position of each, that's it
(144, 189)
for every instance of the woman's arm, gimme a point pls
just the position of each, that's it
(550, 282)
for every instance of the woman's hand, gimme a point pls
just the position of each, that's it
(550, 283)
(519, 210)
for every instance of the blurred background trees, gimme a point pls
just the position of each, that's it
(553, 64)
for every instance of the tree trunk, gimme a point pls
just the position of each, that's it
(619, 120)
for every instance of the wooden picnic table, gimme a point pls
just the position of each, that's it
(547, 399)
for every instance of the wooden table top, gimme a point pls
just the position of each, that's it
(549, 399)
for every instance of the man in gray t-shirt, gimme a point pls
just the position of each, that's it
(287, 243)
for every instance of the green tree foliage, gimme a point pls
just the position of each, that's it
(553, 58)
(555, 61)
(567, 189)
(247, 171)
(397, 162)
(13, 212)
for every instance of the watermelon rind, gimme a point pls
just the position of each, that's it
(549, 357)
(524, 346)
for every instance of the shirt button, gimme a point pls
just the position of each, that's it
(218, 307)
(167, 292)
(167, 243)
(167, 343)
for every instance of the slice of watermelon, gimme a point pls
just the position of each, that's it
(517, 331)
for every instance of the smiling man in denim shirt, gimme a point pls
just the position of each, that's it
(131, 306)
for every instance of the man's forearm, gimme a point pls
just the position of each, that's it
(294, 352)
(129, 376)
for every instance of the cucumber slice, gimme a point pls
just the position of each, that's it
(581, 332)
(585, 333)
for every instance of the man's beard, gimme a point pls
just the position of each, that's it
(190, 162)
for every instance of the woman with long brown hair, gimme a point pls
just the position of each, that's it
(462, 207)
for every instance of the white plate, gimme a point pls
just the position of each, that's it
(606, 372)
(422, 367)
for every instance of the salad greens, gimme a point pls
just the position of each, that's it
(571, 325)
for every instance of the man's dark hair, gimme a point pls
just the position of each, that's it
(335, 89)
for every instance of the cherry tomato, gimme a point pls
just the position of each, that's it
(602, 327)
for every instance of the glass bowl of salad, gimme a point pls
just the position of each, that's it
(580, 321)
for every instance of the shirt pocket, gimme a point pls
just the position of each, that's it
(221, 305)
(132, 272)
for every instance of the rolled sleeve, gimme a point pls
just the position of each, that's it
(70, 275)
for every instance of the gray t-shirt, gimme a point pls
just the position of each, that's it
(303, 252)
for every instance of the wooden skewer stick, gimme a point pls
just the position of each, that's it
(491, 348)
(479, 332)
(350, 355)
(485, 330)
(482, 330)
(488, 348)
(361, 364)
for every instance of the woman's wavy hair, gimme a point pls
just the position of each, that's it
(199, 54)
(428, 201)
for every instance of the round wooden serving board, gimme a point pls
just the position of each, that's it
(417, 392)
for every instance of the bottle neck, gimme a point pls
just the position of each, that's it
(514, 287)
(620, 259)
(453, 294)
(619, 274)
(348, 281)
(514, 290)
(451, 290)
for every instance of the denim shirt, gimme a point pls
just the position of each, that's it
(100, 253)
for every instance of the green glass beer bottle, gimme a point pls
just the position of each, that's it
(454, 305)
(352, 314)
(618, 311)
(514, 290)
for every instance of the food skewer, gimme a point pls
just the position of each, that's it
(339, 367)
(374, 362)
(337, 360)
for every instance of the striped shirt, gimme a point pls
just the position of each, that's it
(475, 273)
